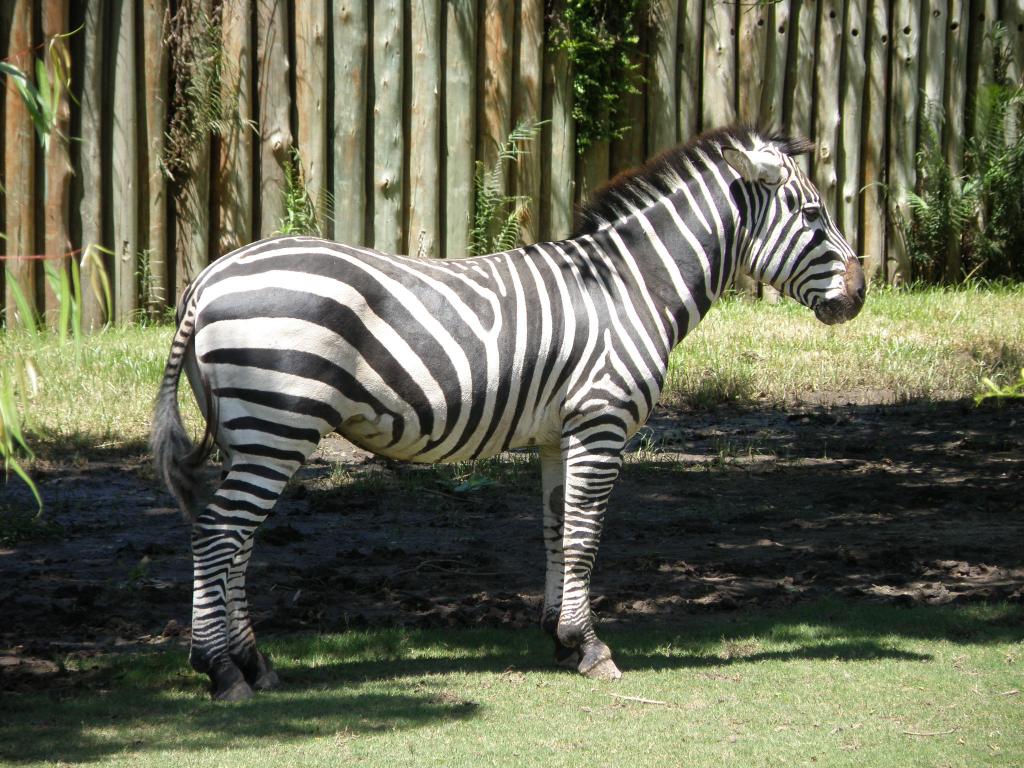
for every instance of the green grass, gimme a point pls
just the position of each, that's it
(932, 343)
(935, 343)
(829, 683)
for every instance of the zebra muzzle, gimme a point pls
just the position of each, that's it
(846, 305)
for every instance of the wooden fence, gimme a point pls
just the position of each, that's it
(391, 102)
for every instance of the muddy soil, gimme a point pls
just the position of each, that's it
(715, 511)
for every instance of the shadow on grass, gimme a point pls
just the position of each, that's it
(363, 682)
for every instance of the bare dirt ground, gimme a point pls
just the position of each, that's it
(715, 511)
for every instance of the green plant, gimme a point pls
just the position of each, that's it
(52, 81)
(972, 223)
(601, 40)
(301, 215)
(1012, 391)
(497, 217)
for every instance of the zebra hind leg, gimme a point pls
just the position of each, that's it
(256, 667)
(591, 471)
(223, 644)
(552, 472)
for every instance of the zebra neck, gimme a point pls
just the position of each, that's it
(681, 251)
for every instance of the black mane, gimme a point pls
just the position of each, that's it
(637, 186)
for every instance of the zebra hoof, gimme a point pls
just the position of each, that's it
(240, 691)
(603, 670)
(567, 657)
(260, 674)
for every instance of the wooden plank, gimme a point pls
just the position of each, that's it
(629, 150)
(19, 165)
(495, 115)
(527, 107)
(851, 128)
(153, 183)
(773, 92)
(592, 168)
(311, 100)
(57, 169)
(559, 147)
(719, 73)
(425, 129)
(798, 108)
(459, 123)
(690, 36)
(1013, 18)
(754, 65)
(906, 26)
(662, 98)
(90, 169)
(192, 210)
(873, 214)
(274, 105)
(826, 119)
(984, 15)
(934, 18)
(387, 125)
(125, 163)
(350, 73)
(955, 108)
(234, 163)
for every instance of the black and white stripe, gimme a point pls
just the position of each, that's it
(560, 345)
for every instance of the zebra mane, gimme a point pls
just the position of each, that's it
(641, 186)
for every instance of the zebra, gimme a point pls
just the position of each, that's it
(560, 345)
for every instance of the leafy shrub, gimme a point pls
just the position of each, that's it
(601, 39)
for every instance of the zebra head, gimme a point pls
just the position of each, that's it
(792, 242)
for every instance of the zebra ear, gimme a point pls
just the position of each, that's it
(755, 165)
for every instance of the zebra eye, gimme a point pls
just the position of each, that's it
(812, 212)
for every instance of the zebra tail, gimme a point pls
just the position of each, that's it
(175, 458)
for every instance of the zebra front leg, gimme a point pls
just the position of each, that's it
(256, 667)
(552, 472)
(221, 543)
(590, 473)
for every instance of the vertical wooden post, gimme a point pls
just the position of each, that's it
(459, 123)
(799, 104)
(192, 217)
(630, 149)
(234, 165)
(90, 168)
(19, 165)
(690, 37)
(311, 100)
(559, 142)
(773, 94)
(526, 107)
(424, 129)
(983, 16)
(274, 103)
(592, 168)
(934, 18)
(496, 79)
(125, 164)
(719, 88)
(153, 184)
(753, 65)
(662, 98)
(388, 143)
(873, 213)
(906, 25)
(826, 120)
(956, 114)
(56, 238)
(851, 129)
(1013, 18)
(351, 49)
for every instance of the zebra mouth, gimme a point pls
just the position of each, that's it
(848, 304)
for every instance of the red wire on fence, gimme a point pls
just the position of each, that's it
(39, 256)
